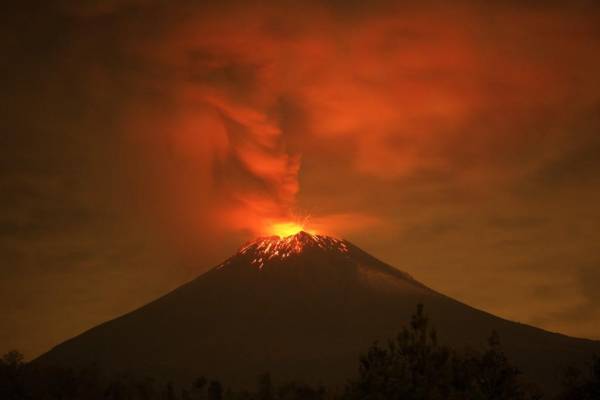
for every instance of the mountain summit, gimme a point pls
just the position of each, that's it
(305, 252)
(302, 307)
(274, 249)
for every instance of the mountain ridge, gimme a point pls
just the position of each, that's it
(306, 316)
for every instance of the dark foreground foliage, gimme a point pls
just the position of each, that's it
(413, 366)
(583, 385)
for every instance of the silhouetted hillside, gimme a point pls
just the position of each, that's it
(303, 308)
(412, 366)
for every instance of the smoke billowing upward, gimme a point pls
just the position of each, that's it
(229, 98)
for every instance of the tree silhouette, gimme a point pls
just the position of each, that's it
(415, 367)
(12, 380)
(412, 366)
(582, 385)
(13, 359)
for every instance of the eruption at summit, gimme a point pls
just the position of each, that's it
(276, 248)
(286, 229)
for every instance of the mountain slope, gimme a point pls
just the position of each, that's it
(302, 308)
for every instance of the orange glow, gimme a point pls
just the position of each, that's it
(286, 229)
(264, 250)
(223, 151)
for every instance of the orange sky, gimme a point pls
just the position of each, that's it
(459, 143)
(245, 93)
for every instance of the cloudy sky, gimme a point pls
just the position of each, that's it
(143, 141)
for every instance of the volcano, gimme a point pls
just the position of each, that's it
(303, 308)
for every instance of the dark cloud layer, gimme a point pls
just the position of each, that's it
(143, 140)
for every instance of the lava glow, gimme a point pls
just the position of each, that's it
(272, 248)
(286, 229)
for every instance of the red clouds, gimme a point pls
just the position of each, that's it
(448, 90)
(456, 140)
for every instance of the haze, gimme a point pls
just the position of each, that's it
(143, 142)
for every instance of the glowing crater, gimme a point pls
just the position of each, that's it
(275, 247)
(286, 229)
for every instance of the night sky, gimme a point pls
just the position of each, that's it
(144, 141)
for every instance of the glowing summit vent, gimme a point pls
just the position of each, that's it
(281, 247)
